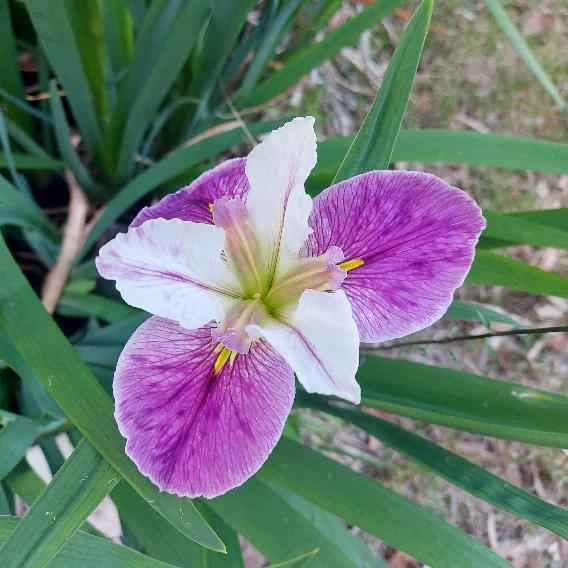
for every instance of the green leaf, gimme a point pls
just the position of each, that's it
(17, 434)
(29, 162)
(26, 218)
(89, 551)
(55, 362)
(5, 502)
(118, 30)
(369, 505)
(76, 489)
(138, 9)
(93, 305)
(168, 34)
(464, 401)
(86, 22)
(167, 169)
(373, 145)
(26, 107)
(66, 148)
(12, 358)
(452, 147)
(20, 182)
(496, 270)
(53, 24)
(223, 30)
(476, 149)
(246, 48)
(461, 472)
(328, 47)
(297, 562)
(10, 76)
(467, 311)
(516, 230)
(157, 537)
(524, 50)
(26, 484)
(101, 348)
(312, 18)
(262, 514)
(15, 209)
(553, 219)
(334, 529)
(116, 334)
(29, 144)
(234, 556)
(282, 23)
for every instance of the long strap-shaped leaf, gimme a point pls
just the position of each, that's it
(301, 64)
(263, 513)
(464, 474)
(167, 35)
(24, 482)
(468, 311)
(555, 221)
(53, 22)
(465, 401)
(520, 231)
(299, 561)
(159, 539)
(87, 551)
(282, 23)
(223, 30)
(12, 358)
(66, 148)
(17, 434)
(374, 143)
(456, 147)
(31, 162)
(374, 508)
(77, 488)
(10, 76)
(156, 536)
(524, 50)
(17, 209)
(80, 396)
(497, 270)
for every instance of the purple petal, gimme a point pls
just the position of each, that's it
(192, 203)
(416, 235)
(192, 432)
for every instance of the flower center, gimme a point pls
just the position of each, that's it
(316, 273)
(242, 248)
(263, 296)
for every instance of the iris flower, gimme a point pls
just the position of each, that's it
(250, 282)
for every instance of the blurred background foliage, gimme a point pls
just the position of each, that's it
(455, 457)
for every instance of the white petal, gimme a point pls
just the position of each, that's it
(277, 202)
(320, 341)
(173, 269)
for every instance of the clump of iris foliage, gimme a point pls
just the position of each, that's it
(128, 101)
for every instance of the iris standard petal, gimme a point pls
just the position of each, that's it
(409, 238)
(277, 202)
(193, 203)
(319, 340)
(172, 269)
(190, 431)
